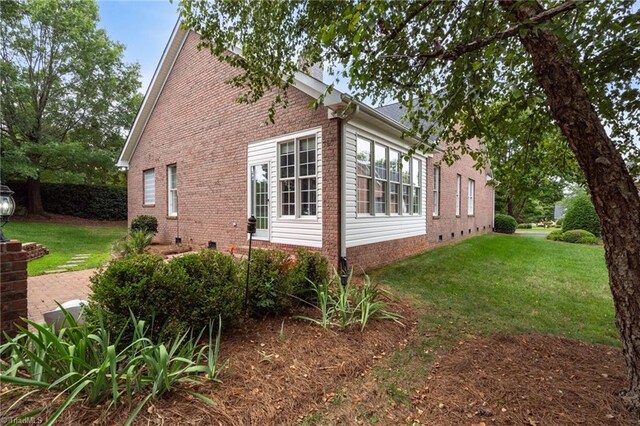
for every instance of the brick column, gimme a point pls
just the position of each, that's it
(13, 286)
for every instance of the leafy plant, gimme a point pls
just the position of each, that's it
(525, 226)
(505, 224)
(579, 236)
(271, 282)
(555, 235)
(135, 243)
(87, 363)
(309, 267)
(146, 223)
(581, 214)
(347, 305)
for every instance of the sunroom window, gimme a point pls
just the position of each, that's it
(298, 177)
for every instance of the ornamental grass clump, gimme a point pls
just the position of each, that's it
(347, 305)
(87, 363)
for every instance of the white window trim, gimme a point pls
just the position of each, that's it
(144, 187)
(421, 161)
(169, 189)
(295, 138)
(458, 195)
(471, 197)
(257, 235)
(436, 191)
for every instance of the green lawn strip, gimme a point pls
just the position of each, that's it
(65, 241)
(535, 230)
(498, 284)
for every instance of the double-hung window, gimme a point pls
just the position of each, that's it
(387, 183)
(298, 179)
(416, 181)
(471, 197)
(395, 162)
(363, 175)
(436, 191)
(458, 193)
(149, 187)
(381, 168)
(406, 186)
(172, 190)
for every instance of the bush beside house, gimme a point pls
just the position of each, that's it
(505, 224)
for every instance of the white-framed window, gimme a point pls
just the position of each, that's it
(458, 194)
(416, 183)
(395, 163)
(298, 177)
(471, 197)
(172, 190)
(149, 187)
(436, 191)
(363, 175)
(387, 182)
(381, 170)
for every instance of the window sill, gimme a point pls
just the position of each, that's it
(148, 205)
(458, 216)
(172, 217)
(435, 217)
(470, 215)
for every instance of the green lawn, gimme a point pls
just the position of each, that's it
(507, 284)
(535, 230)
(65, 241)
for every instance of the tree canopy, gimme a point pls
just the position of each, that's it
(67, 95)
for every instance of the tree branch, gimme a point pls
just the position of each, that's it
(462, 49)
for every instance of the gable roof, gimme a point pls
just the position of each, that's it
(335, 101)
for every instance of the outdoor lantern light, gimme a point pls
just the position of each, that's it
(7, 207)
(251, 229)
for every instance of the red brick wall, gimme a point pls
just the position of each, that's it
(198, 125)
(448, 223)
(13, 286)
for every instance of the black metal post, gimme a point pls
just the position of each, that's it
(251, 229)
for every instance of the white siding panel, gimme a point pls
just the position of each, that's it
(302, 231)
(366, 229)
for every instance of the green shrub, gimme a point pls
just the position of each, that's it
(581, 215)
(213, 286)
(505, 224)
(271, 282)
(310, 267)
(577, 235)
(559, 221)
(555, 235)
(87, 201)
(525, 226)
(141, 284)
(185, 293)
(146, 223)
(135, 243)
(588, 239)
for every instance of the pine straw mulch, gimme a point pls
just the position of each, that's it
(272, 377)
(505, 380)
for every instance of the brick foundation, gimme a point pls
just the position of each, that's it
(13, 286)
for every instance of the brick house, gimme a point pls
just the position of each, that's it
(323, 179)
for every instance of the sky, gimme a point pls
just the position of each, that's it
(143, 26)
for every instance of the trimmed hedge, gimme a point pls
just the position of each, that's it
(187, 291)
(555, 235)
(581, 215)
(505, 224)
(579, 236)
(146, 223)
(525, 226)
(86, 201)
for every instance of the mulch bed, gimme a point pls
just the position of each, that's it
(272, 377)
(526, 380)
(168, 249)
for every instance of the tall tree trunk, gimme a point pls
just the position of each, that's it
(34, 197)
(510, 208)
(612, 189)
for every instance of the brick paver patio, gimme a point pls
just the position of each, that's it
(43, 291)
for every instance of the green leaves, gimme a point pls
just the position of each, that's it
(68, 97)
